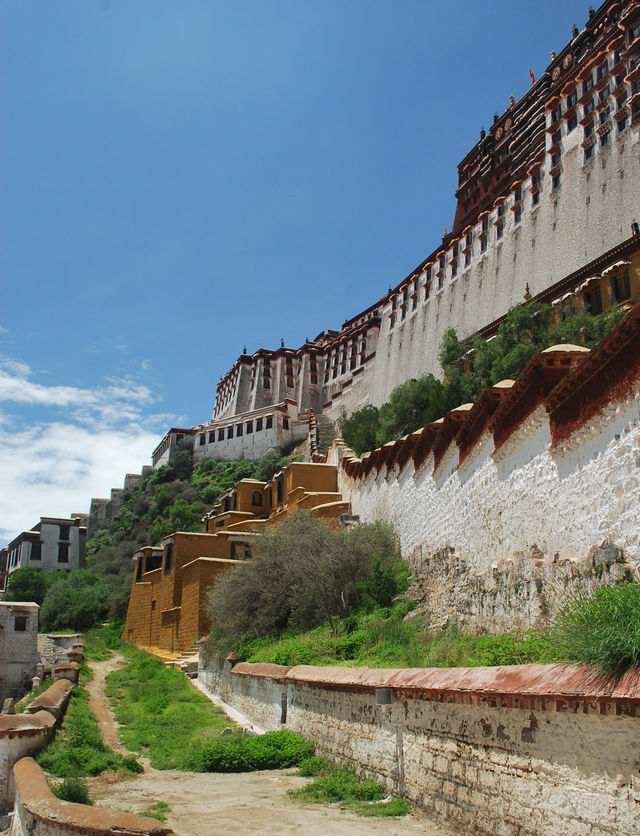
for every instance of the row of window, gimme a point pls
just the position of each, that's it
(620, 287)
(237, 430)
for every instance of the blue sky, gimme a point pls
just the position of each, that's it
(178, 180)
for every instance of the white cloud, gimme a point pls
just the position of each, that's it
(54, 470)
(118, 401)
(79, 446)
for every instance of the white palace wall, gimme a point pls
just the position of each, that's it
(588, 214)
(544, 504)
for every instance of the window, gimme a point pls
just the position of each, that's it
(588, 130)
(556, 182)
(238, 430)
(429, 273)
(467, 258)
(268, 422)
(352, 364)
(572, 99)
(220, 435)
(587, 85)
(229, 432)
(485, 223)
(499, 230)
(403, 316)
(588, 108)
(249, 427)
(556, 137)
(168, 557)
(258, 424)
(36, 550)
(593, 301)
(603, 69)
(517, 195)
(517, 216)
(572, 123)
(483, 245)
(620, 288)
(414, 304)
(604, 94)
(604, 140)
(64, 532)
(314, 377)
(139, 570)
(442, 262)
(212, 437)
(622, 124)
(588, 153)
(285, 423)
(256, 498)
(555, 160)
(63, 552)
(454, 270)
(20, 623)
(266, 383)
(235, 500)
(440, 281)
(556, 114)
(427, 290)
(392, 322)
(289, 383)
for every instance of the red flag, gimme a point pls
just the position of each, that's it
(533, 78)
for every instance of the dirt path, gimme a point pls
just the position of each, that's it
(212, 804)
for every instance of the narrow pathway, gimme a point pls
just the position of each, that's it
(211, 804)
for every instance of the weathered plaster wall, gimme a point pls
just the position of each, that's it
(531, 513)
(20, 735)
(487, 750)
(18, 647)
(256, 690)
(38, 812)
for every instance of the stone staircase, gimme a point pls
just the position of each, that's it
(187, 662)
(326, 433)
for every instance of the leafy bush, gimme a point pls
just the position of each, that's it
(72, 789)
(337, 784)
(603, 630)
(303, 573)
(243, 753)
(75, 601)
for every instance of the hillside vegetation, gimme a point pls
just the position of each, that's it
(526, 330)
(173, 498)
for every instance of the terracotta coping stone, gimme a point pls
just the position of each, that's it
(39, 801)
(25, 724)
(52, 699)
(264, 670)
(544, 681)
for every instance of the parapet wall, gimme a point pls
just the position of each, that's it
(536, 749)
(508, 505)
(38, 811)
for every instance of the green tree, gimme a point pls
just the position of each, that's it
(360, 431)
(26, 584)
(77, 600)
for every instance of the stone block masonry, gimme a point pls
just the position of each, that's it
(535, 749)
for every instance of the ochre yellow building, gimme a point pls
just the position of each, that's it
(168, 594)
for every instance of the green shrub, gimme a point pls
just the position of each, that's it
(315, 765)
(603, 630)
(395, 807)
(72, 789)
(159, 811)
(243, 753)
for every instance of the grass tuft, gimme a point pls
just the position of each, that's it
(73, 789)
(160, 810)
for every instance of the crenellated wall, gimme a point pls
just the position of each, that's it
(508, 505)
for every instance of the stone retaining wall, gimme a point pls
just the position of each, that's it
(535, 749)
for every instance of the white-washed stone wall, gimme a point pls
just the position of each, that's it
(259, 697)
(484, 769)
(482, 536)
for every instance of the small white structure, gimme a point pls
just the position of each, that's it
(18, 647)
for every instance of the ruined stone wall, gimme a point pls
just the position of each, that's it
(487, 750)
